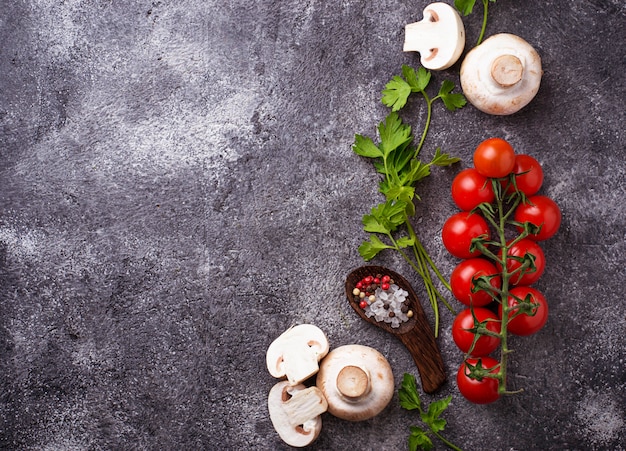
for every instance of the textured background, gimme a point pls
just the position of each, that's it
(178, 188)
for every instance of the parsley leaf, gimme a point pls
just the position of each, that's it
(465, 7)
(417, 80)
(419, 440)
(369, 249)
(398, 90)
(443, 159)
(408, 395)
(396, 93)
(410, 400)
(365, 147)
(385, 218)
(406, 241)
(393, 134)
(452, 101)
(396, 159)
(431, 417)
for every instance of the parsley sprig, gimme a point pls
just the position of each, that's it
(401, 168)
(431, 416)
(465, 7)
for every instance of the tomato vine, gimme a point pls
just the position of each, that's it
(518, 218)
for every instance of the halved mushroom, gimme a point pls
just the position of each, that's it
(296, 353)
(501, 75)
(295, 412)
(439, 37)
(357, 382)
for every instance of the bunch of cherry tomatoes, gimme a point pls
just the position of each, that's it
(497, 236)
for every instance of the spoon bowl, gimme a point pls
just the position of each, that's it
(416, 333)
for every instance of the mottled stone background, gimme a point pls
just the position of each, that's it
(178, 188)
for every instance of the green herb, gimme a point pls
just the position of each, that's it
(400, 167)
(465, 7)
(410, 400)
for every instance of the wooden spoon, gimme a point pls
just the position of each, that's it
(416, 334)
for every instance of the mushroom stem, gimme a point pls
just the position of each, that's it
(353, 382)
(507, 70)
(303, 405)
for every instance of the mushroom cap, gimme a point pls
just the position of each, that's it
(295, 412)
(357, 382)
(439, 37)
(501, 75)
(296, 353)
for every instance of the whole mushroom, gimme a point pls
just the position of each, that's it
(501, 75)
(296, 353)
(295, 412)
(356, 381)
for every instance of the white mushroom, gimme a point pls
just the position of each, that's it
(439, 37)
(295, 412)
(296, 353)
(501, 75)
(357, 382)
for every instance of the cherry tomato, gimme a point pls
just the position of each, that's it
(540, 211)
(529, 176)
(463, 338)
(524, 324)
(461, 281)
(470, 189)
(459, 230)
(494, 157)
(519, 249)
(482, 391)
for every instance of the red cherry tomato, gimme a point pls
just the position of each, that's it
(482, 391)
(529, 176)
(524, 324)
(461, 281)
(494, 157)
(464, 339)
(459, 230)
(470, 189)
(519, 249)
(540, 211)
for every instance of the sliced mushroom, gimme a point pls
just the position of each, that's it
(295, 412)
(439, 37)
(501, 75)
(296, 353)
(357, 382)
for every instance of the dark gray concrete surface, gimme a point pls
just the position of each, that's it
(178, 188)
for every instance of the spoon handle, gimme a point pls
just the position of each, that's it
(422, 346)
